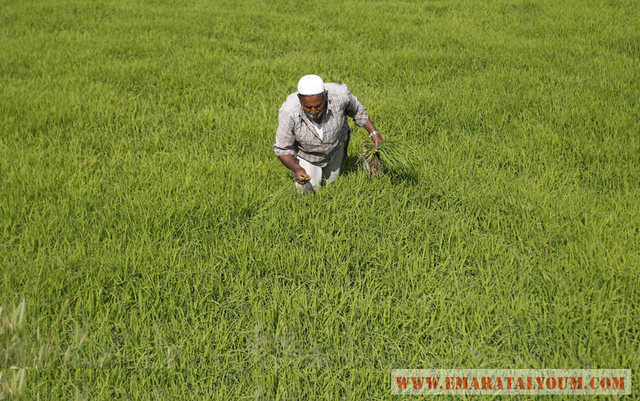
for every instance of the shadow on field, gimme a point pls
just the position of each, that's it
(349, 165)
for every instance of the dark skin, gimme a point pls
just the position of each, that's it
(315, 104)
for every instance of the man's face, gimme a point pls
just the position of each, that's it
(314, 105)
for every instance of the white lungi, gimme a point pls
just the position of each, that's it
(330, 172)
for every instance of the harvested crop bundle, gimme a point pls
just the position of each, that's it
(392, 158)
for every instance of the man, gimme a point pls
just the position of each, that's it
(313, 132)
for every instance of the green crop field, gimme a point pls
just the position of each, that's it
(153, 247)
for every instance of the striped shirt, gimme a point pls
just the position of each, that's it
(296, 134)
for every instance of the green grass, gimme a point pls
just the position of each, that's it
(391, 157)
(152, 246)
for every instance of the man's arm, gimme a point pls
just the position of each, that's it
(377, 138)
(284, 147)
(360, 117)
(300, 173)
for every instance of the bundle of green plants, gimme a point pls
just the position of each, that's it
(392, 158)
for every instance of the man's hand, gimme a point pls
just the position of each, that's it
(301, 176)
(377, 139)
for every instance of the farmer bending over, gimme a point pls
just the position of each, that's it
(313, 133)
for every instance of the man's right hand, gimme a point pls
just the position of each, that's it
(302, 177)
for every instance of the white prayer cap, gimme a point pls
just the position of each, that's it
(310, 85)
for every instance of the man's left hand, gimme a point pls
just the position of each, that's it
(377, 139)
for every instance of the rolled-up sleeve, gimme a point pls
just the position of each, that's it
(356, 110)
(285, 139)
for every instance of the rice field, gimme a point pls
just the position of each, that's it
(153, 247)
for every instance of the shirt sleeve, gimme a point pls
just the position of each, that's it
(285, 139)
(356, 110)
